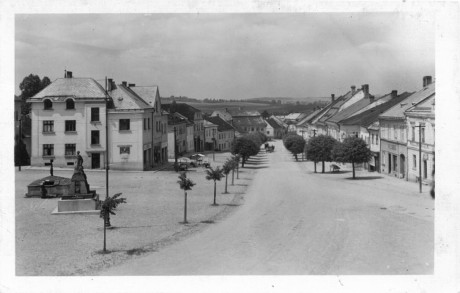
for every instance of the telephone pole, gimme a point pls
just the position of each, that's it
(314, 134)
(420, 126)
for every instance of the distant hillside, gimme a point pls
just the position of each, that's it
(290, 100)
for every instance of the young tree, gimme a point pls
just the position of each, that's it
(319, 149)
(294, 143)
(185, 184)
(236, 158)
(29, 87)
(245, 148)
(352, 150)
(215, 175)
(108, 206)
(21, 156)
(226, 168)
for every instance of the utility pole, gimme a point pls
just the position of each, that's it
(213, 146)
(175, 146)
(314, 134)
(420, 126)
(106, 140)
(19, 142)
(303, 131)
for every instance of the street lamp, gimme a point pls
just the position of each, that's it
(19, 142)
(420, 126)
(213, 145)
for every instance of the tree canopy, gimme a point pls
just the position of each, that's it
(319, 149)
(29, 87)
(352, 150)
(245, 147)
(294, 143)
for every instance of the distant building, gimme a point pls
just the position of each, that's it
(210, 135)
(193, 115)
(274, 129)
(177, 134)
(225, 133)
(244, 122)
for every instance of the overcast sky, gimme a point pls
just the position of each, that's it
(232, 56)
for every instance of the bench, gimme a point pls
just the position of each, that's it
(334, 168)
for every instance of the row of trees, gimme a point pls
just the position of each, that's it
(212, 174)
(248, 145)
(324, 148)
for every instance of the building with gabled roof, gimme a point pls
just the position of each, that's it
(366, 125)
(69, 115)
(421, 140)
(394, 134)
(275, 129)
(193, 115)
(225, 133)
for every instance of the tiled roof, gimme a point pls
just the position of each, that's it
(349, 111)
(147, 93)
(368, 117)
(273, 123)
(72, 87)
(176, 118)
(241, 122)
(397, 111)
(125, 99)
(309, 117)
(221, 123)
(184, 109)
(335, 106)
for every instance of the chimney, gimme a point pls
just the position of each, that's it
(124, 83)
(132, 85)
(394, 94)
(109, 84)
(353, 90)
(68, 74)
(371, 98)
(332, 98)
(65, 73)
(365, 88)
(426, 80)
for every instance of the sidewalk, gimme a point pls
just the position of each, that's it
(371, 179)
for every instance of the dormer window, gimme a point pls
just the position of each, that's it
(69, 104)
(48, 105)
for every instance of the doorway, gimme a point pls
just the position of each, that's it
(95, 161)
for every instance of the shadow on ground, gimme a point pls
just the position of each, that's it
(365, 178)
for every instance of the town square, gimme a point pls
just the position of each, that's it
(224, 146)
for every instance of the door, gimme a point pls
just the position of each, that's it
(95, 161)
(389, 163)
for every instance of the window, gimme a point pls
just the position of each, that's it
(48, 150)
(414, 161)
(157, 128)
(70, 125)
(376, 139)
(413, 133)
(124, 150)
(48, 105)
(70, 149)
(95, 115)
(48, 126)
(95, 137)
(422, 135)
(69, 104)
(124, 124)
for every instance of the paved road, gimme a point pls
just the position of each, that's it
(294, 222)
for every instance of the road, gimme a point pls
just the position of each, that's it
(295, 222)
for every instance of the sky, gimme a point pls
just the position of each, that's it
(232, 56)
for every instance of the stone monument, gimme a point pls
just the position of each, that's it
(79, 198)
